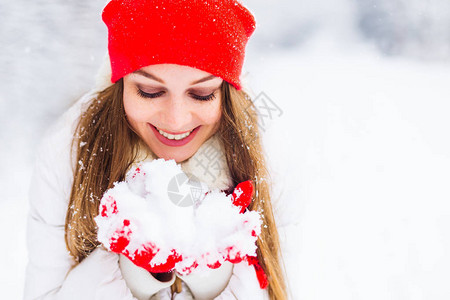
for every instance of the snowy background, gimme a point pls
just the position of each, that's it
(361, 150)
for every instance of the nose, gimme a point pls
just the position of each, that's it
(176, 115)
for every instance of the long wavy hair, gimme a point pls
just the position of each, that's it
(106, 146)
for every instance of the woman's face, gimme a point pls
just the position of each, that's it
(173, 108)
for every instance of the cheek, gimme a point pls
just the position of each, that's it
(211, 114)
(135, 108)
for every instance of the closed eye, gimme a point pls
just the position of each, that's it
(149, 95)
(143, 94)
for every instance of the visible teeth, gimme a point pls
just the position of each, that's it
(174, 136)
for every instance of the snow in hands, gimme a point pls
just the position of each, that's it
(138, 219)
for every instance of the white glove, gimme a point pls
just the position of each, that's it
(243, 284)
(97, 277)
(140, 281)
(166, 294)
(207, 284)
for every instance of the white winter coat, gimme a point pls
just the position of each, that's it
(49, 273)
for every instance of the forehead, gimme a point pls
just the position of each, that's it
(165, 73)
(163, 69)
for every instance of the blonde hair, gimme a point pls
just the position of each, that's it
(106, 147)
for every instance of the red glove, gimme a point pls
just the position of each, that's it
(120, 232)
(242, 197)
(121, 237)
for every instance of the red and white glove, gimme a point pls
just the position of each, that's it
(118, 233)
(142, 283)
(243, 285)
(241, 197)
(120, 229)
(209, 283)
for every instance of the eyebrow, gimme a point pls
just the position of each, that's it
(151, 76)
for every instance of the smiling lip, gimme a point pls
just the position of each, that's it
(174, 143)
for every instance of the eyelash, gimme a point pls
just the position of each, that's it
(155, 95)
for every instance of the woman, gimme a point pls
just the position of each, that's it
(173, 92)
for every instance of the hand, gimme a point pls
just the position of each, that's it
(242, 195)
(119, 230)
(208, 283)
(142, 283)
(243, 284)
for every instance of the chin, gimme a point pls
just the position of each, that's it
(179, 155)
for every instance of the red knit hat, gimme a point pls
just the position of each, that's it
(210, 35)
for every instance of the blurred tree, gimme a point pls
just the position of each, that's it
(415, 28)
